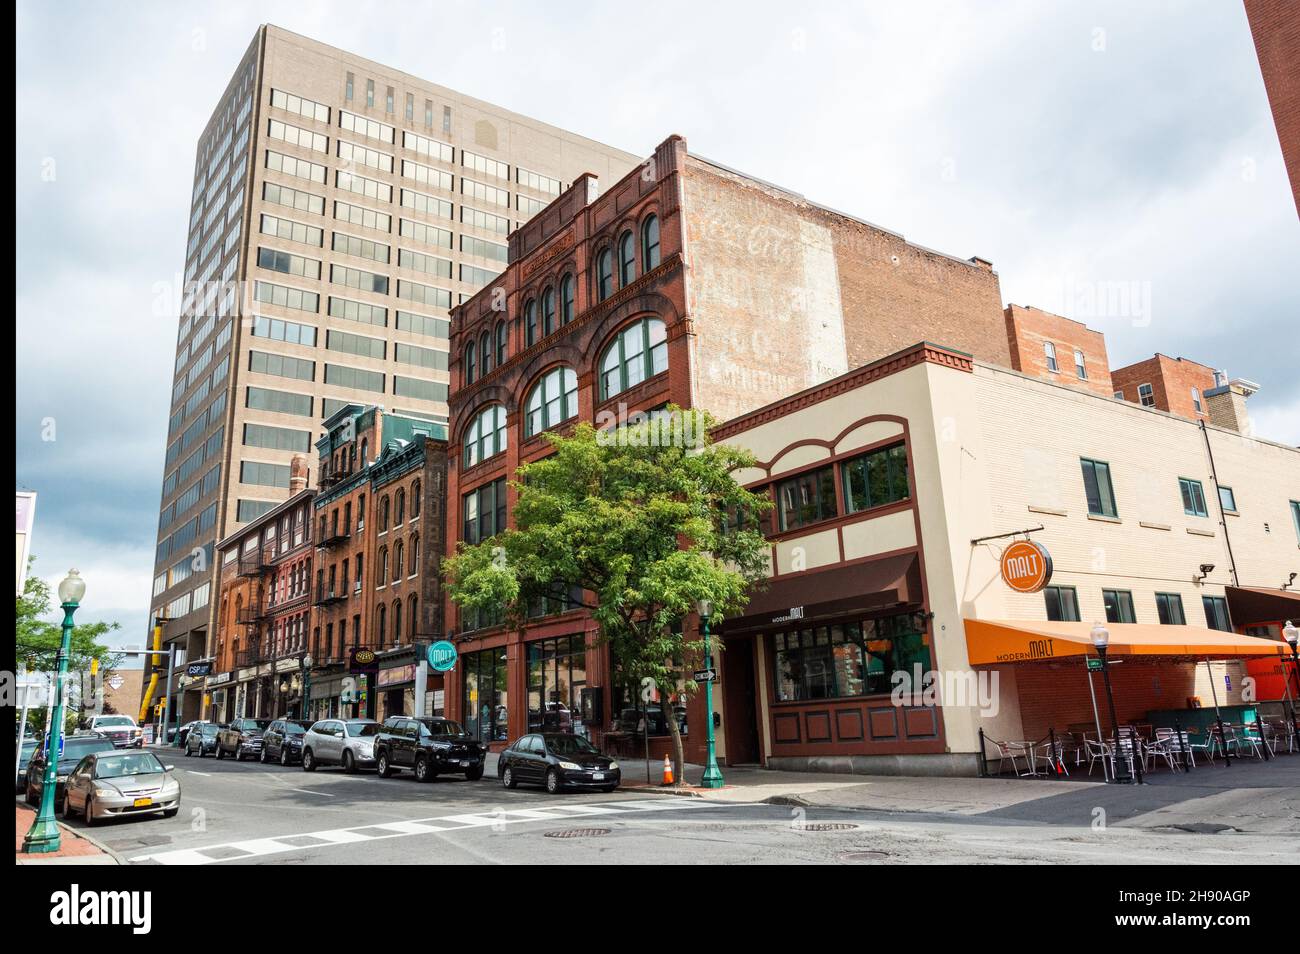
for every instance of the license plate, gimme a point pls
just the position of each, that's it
(597, 776)
(466, 763)
(142, 802)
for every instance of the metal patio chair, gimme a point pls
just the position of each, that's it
(1009, 752)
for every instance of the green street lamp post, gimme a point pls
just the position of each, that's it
(712, 774)
(1100, 641)
(44, 834)
(306, 663)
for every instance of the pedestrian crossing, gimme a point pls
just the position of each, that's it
(259, 847)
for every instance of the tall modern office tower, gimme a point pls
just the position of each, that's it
(340, 208)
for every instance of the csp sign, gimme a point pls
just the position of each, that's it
(442, 656)
(1026, 566)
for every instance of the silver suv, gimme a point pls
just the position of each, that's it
(346, 742)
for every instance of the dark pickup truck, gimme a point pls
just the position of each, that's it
(428, 747)
(242, 738)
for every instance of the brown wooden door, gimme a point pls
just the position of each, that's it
(740, 688)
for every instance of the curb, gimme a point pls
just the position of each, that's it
(117, 858)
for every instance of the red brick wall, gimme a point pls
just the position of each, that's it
(1056, 697)
(1275, 25)
(1171, 379)
(1029, 328)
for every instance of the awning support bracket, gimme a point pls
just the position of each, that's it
(999, 536)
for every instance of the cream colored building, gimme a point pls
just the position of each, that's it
(340, 208)
(994, 454)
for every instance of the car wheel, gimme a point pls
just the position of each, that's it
(219, 754)
(67, 806)
(381, 765)
(474, 774)
(508, 778)
(349, 761)
(308, 761)
(553, 784)
(262, 756)
(284, 756)
(91, 820)
(188, 750)
(422, 771)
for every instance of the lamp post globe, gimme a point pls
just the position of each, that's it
(1101, 641)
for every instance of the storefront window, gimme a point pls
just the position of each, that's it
(557, 674)
(486, 701)
(875, 479)
(849, 659)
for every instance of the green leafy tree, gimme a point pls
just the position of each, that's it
(635, 523)
(37, 639)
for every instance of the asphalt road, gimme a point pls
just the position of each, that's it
(248, 813)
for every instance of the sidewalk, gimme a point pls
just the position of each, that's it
(889, 793)
(74, 849)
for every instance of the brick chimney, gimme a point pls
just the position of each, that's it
(297, 474)
(1226, 403)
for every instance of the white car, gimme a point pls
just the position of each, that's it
(346, 742)
(120, 728)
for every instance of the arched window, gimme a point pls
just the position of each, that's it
(383, 566)
(530, 322)
(501, 343)
(415, 554)
(638, 352)
(566, 299)
(469, 372)
(548, 311)
(486, 435)
(604, 274)
(383, 514)
(412, 604)
(415, 499)
(397, 622)
(485, 352)
(399, 508)
(650, 243)
(552, 400)
(365, 447)
(399, 561)
(626, 260)
(381, 624)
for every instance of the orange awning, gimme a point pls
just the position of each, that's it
(992, 642)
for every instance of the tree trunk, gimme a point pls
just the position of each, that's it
(675, 731)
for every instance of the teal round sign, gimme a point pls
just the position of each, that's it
(442, 656)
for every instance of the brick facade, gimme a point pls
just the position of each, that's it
(1171, 380)
(1275, 26)
(1034, 334)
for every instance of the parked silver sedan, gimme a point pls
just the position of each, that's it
(114, 784)
(346, 742)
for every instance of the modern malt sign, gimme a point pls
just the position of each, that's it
(1026, 566)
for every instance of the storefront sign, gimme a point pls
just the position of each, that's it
(218, 679)
(396, 675)
(796, 612)
(195, 670)
(362, 660)
(1026, 566)
(442, 656)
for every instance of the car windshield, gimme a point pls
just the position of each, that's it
(362, 729)
(124, 766)
(438, 728)
(79, 748)
(293, 728)
(114, 721)
(570, 745)
(258, 724)
(207, 729)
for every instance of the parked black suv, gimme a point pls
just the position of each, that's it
(242, 737)
(429, 747)
(282, 741)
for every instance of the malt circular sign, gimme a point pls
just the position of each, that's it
(442, 656)
(1026, 566)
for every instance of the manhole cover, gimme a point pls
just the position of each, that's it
(577, 833)
(1203, 828)
(863, 857)
(827, 826)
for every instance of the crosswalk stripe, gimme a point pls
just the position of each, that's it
(256, 847)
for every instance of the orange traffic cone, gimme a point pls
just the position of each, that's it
(668, 771)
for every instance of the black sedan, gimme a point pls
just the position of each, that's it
(75, 748)
(558, 761)
(282, 741)
(25, 756)
(201, 739)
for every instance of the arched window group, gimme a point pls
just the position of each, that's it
(553, 400)
(486, 435)
(638, 352)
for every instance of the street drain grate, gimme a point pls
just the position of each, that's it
(1202, 828)
(577, 833)
(863, 857)
(827, 826)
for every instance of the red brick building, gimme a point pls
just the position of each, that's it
(1058, 349)
(1275, 26)
(683, 283)
(1176, 385)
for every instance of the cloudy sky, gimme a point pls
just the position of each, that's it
(1076, 145)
